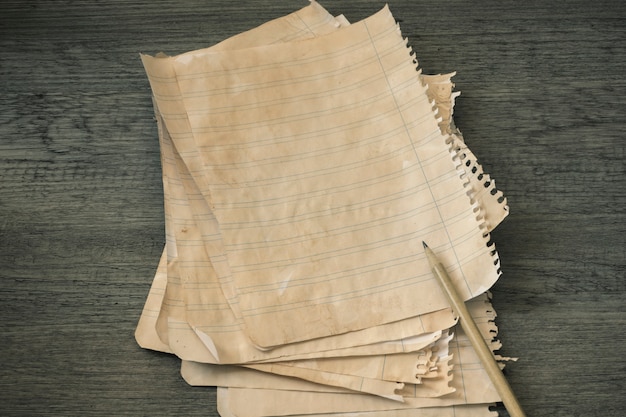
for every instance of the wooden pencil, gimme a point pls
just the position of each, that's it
(471, 330)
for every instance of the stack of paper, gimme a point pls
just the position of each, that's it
(304, 162)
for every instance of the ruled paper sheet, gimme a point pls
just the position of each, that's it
(434, 374)
(466, 410)
(226, 344)
(469, 379)
(316, 20)
(419, 368)
(323, 188)
(386, 376)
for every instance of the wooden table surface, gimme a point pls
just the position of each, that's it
(81, 212)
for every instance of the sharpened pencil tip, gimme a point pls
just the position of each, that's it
(424, 243)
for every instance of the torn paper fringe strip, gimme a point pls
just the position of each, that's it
(304, 162)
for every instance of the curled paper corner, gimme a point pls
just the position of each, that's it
(208, 342)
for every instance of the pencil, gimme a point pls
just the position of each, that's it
(471, 330)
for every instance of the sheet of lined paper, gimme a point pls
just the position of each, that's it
(322, 198)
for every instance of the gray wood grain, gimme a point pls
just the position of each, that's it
(81, 217)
